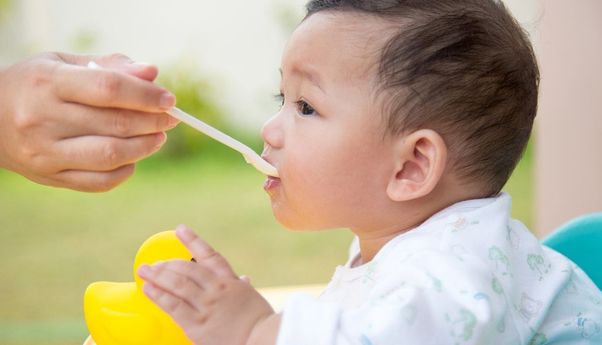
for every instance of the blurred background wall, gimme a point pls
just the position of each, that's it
(568, 150)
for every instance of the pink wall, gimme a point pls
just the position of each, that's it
(569, 128)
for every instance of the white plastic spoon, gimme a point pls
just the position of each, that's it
(250, 156)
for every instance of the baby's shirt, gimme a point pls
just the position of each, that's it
(468, 275)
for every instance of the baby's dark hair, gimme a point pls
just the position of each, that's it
(463, 68)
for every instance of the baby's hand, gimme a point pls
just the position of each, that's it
(205, 297)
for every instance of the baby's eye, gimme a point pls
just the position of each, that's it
(279, 98)
(305, 109)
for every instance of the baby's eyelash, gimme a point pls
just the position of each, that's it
(303, 107)
(279, 97)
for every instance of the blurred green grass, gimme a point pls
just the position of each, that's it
(54, 242)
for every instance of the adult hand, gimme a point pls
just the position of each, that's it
(65, 125)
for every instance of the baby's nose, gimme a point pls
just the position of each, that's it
(272, 132)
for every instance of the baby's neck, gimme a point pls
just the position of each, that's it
(408, 216)
(371, 244)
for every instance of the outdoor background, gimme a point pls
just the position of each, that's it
(221, 59)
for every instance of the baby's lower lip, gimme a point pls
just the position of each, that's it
(271, 183)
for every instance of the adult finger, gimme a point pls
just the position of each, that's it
(82, 120)
(203, 253)
(109, 89)
(92, 181)
(123, 63)
(103, 153)
(117, 62)
(183, 314)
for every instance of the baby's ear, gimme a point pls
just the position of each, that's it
(420, 160)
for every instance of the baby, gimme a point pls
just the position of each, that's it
(401, 120)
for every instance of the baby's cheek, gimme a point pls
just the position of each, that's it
(321, 195)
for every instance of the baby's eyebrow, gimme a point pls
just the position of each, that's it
(313, 77)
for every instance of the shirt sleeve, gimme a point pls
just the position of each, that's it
(416, 304)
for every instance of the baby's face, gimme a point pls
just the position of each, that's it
(327, 140)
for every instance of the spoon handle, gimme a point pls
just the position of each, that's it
(210, 131)
(250, 156)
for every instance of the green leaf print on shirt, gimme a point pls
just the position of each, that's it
(501, 324)
(537, 263)
(496, 286)
(538, 339)
(502, 264)
(462, 325)
(512, 237)
(435, 283)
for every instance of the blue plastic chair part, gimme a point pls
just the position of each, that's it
(581, 241)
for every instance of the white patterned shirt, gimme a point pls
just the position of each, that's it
(468, 275)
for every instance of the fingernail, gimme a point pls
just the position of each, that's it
(167, 101)
(140, 64)
(144, 271)
(183, 232)
(160, 139)
(173, 122)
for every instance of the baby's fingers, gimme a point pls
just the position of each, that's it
(182, 283)
(190, 319)
(203, 253)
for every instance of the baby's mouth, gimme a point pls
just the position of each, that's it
(271, 183)
(266, 158)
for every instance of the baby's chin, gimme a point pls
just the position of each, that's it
(299, 225)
